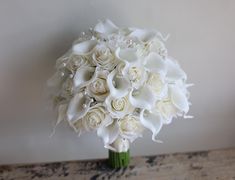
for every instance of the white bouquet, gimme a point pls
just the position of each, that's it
(119, 82)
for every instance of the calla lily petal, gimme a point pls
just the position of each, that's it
(109, 134)
(174, 72)
(85, 47)
(118, 85)
(106, 27)
(179, 99)
(143, 34)
(128, 55)
(155, 63)
(78, 107)
(143, 98)
(151, 121)
(83, 76)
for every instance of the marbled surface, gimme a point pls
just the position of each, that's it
(216, 164)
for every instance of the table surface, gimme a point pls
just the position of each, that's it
(215, 164)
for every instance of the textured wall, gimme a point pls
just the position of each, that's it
(34, 33)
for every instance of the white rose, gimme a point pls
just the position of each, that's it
(137, 75)
(130, 127)
(118, 107)
(75, 62)
(95, 117)
(104, 58)
(98, 88)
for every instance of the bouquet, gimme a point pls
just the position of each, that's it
(119, 82)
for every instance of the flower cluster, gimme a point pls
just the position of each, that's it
(118, 82)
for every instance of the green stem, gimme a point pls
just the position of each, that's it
(118, 160)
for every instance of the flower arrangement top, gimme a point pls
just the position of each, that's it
(119, 82)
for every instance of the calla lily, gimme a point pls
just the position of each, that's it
(151, 121)
(143, 98)
(85, 47)
(106, 27)
(109, 134)
(155, 63)
(78, 107)
(83, 76)
(143, 35)
(118, 85)
(174, 72)
(128, 56)
(179, 99)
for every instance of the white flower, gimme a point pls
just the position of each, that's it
(96, 117)
(106, 27)
(83, 77)
(118, 107)
(104, 58)
(119, 85)
(109, 134)
(130, 127)
(120, 145)
(174, 71)
(78, 106)
(76, 61)
(142, 98)
(143, 35)
(98, 87)
(157, 85)
(152, 121)
(175, 104)
(137, 75)
(155, 63)
(156, 45)
(84, 48)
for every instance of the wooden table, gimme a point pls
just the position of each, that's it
(211, 165)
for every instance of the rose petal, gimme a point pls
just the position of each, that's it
(143, 99)
(151, 121)
(85, 47)
(127, 107)
(106, 27)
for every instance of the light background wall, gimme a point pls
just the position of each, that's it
(33, 34)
